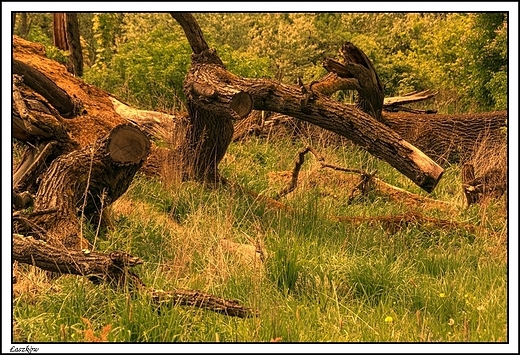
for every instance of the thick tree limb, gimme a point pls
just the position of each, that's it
(66, 106)
(33, 121)
(357, 66)
(193, 32)
(203, 300)
(210, 89)
(77, 262)
(349, 122)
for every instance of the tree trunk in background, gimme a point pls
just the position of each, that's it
(66, 37)
(75, 65)
(450, 138)
(24, 27)
(59, 31)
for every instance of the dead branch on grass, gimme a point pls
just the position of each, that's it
(367, 181)
(393, 223)
(114, 268)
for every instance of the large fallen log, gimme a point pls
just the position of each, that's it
(211, 90)
(451, 138)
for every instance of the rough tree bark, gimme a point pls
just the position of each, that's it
(211, 128)
(86, 180)
(211, 90)
(66, 37)
(450, 138)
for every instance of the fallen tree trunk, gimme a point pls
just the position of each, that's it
(211, 91)
(349, 122)
(84, 163)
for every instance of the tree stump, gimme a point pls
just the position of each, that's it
(83, 181)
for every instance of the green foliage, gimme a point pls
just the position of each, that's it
(39, 32)
(143, 58)
(146, 70)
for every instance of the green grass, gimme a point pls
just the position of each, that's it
(322, 280)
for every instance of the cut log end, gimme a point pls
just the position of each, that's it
(242, 104)
(128, 145)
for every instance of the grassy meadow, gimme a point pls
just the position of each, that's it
(312, 276)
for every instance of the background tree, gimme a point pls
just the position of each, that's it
(66, 37)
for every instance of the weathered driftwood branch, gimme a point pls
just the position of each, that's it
(367, 181)
(114, 268)
(153, 123)
(394, 103)
(294, 175)
(203, 300)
